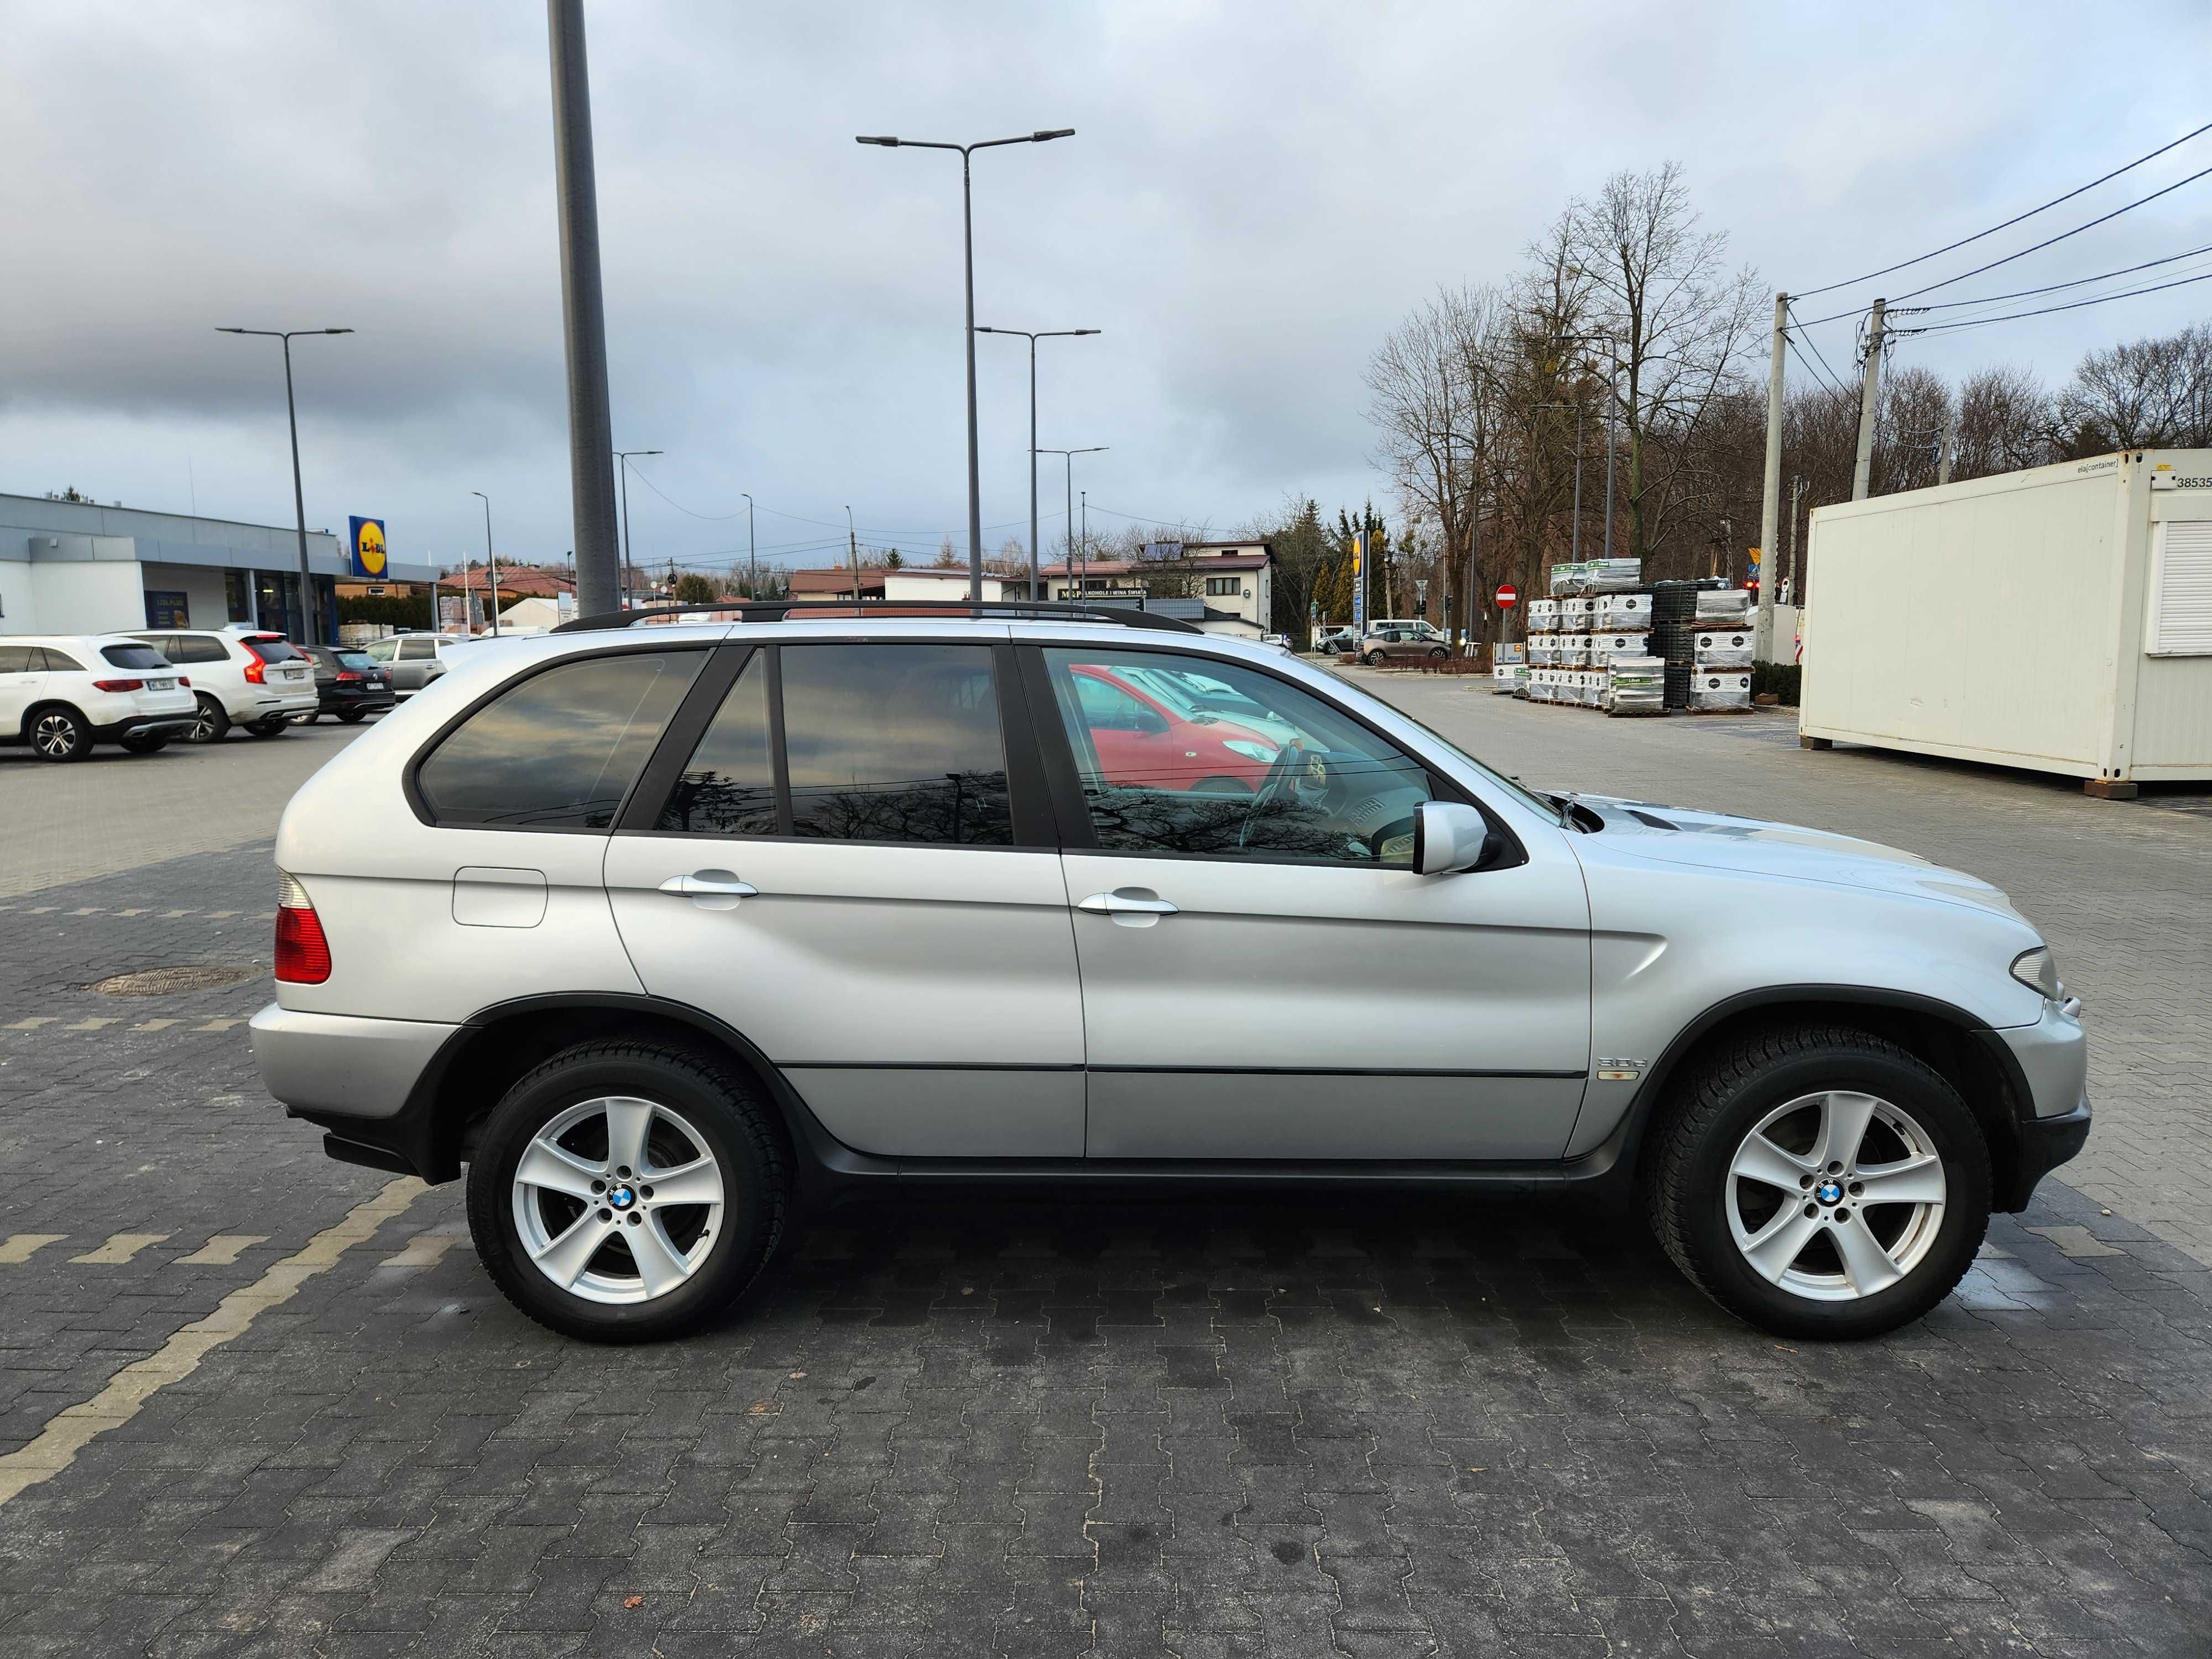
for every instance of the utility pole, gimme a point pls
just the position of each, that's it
(1770, 509)
(752, 555)
(1869, 405)
(491, 565)
(1087, 541)
(628, 551)
(1943, 461)
(591, 428)
(853, 549)
(1796, 494)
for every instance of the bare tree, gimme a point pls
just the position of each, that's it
(1659, 286)
(1916, 413)
(2147, 394)
(2005, 422)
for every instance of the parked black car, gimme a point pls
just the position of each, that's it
(349, 684)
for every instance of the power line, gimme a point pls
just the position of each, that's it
(2079, 282)
(1824, 381)
(1906, 264)
(1792, 311)
(2014, 316)
(2061, 237)
(722, 517)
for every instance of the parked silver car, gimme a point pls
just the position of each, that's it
(414, 660)
(725, 918)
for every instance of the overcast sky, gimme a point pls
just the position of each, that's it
(1255, 193)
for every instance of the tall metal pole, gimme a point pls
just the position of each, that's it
(1575, 541)
(1086, 542)
(974, 475)
(1080, 584)
(1612, 413)
(309, 629)
(1796, 493)
(591, 428)
(1035, 593)
(752, 555)
(1869, 406)
(1770, 505)
(491, 564)
(624, 460)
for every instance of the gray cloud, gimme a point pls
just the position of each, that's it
(1254, 194)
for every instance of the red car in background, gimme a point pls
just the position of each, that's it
(1142, 743)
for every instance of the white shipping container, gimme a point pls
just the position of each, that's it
(2087, 651)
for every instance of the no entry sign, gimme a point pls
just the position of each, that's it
(1508, 597)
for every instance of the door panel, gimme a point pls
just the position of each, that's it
(1298, 1010)
(881, 975)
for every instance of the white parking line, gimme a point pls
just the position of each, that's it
(222, 1250)
(154, 1024)
(119, 1248)
(34, 1023)
(92, 1025)
(218, 1025)
(21, 1247)
(72, 1430)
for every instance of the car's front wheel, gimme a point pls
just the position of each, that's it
(627, 1193)
(210, 723)
(59, 734)
(1820, 1182)
(1375, 660)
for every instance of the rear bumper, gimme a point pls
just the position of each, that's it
(339, 702)
(341, 1066)
(135, 725)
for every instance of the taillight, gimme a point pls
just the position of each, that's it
(118, 685)
(345, 674)
(303, 955)
(181, 680)
(255, 668)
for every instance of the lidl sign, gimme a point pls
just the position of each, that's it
(364, 548)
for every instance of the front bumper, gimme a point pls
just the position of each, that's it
(2053, 1056)
(340, 1065)
(2044, 1144)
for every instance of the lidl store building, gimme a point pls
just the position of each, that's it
(79, 568)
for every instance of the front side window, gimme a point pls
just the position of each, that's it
(561, 748)
(728, 786)
(1292, 779)
(895, 743)
(197, 647)
(383, 650)
(16, 659)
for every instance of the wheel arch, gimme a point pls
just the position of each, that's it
(44, 704)
(499, 1044)
(1957, 1046)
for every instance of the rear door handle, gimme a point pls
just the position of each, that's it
(1126, 902)
(709, 883)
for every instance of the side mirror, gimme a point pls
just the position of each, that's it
(1448, 837)
(1152, 723)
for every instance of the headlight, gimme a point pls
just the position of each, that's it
(2037, 971)
(1258, 752)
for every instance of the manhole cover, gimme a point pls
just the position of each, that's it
(174, 981)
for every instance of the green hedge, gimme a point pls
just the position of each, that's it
(387, 610)
(1783, 679)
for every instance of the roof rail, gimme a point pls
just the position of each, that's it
(779, 610)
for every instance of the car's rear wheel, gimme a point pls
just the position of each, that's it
(212, 723)
(1820, 1182)
(151, 744)
(352, 716)
(267, 729)
(1438, 653)
(627, 1193)
(59, 734)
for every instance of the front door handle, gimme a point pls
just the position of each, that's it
(1130, 907)
(707, 887)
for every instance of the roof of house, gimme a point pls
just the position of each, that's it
(528, 581)
(839, 580)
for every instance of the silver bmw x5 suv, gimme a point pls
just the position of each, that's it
(732, 917)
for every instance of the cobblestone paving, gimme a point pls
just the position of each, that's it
(1203, 1427)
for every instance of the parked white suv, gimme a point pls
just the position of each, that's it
(703, 921)
(62, 693)
(240, 676)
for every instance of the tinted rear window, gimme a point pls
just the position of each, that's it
(273, 650)
(560, 749)
(134, 656)
(354, 659)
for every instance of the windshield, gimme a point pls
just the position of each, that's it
(272, 650)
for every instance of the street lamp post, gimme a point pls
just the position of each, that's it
(311, 633)
(968, 239)
(1046, 334)
(622, 456)
(491, 564)
(1083, 582)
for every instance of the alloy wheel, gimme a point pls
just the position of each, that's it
(55, 736)
(1835, 1196)
(617, 1199)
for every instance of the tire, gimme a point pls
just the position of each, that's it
(1438, 653)
(153, 745)
(713, 1254)
(269, 728)
(1790, 1088)
(214, 721)
(352, 716)
(1375, 660)
(58, 734)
